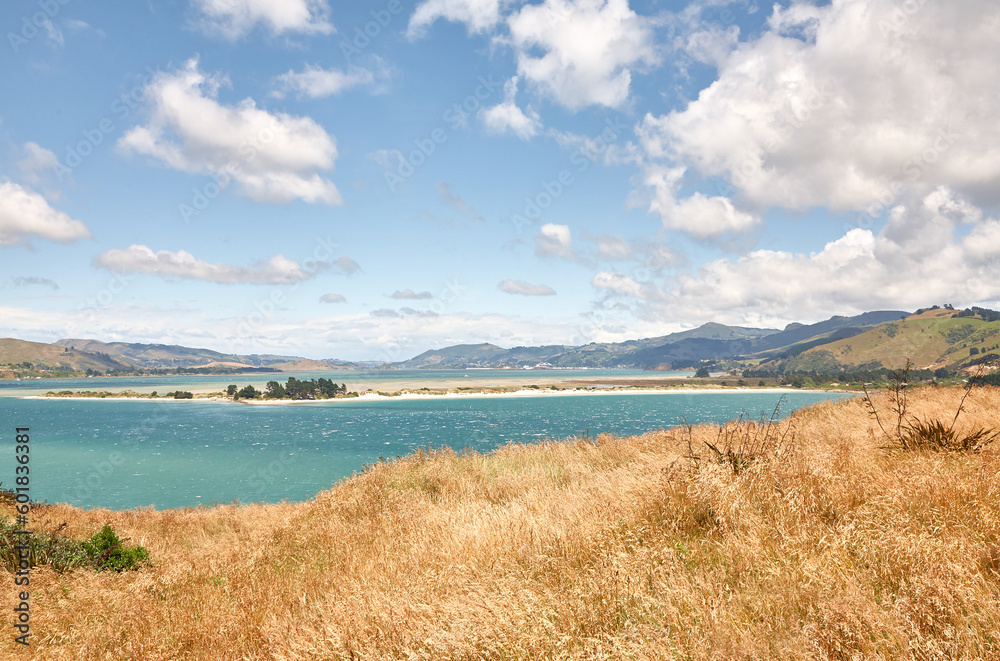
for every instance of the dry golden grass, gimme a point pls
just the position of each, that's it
(613, 548)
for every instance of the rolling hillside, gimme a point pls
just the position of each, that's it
(168, 356)
(48, 357)
(709, 342)
(932, 339)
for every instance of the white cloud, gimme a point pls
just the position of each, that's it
(508, 117)
(478, 15)
(618, 283)
(332, 298)
(523, 288)
(710, 44)
(234, 18)
(916, 260)
(848, 105)
(610, 247)
(589, 49)
(317, 82)
(182, 264)
(38, 160)
(409, 294)
(274, 157)
(25, 213)
(555, 241)
(703, 216)
(699, 215)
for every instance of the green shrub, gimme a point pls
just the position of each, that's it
(956, 334)
(106, 551)
(103, 551)
(182, 394)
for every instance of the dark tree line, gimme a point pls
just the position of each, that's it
(985, 313)
(293, 389)
(848, 376)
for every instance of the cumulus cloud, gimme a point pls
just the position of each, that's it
(581, 53)
(507, 117)
(25, 213)
(915, 260)
(316, 82)
(332, 298)
(555, 241)
(409, 294)
(617, 283)
(848, 105)
(523, 288)
(37, 160)
(478, 15)
(182, 264)
(274, 157)
(699, 215)
(235, 18)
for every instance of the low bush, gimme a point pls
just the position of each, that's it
(104, 551)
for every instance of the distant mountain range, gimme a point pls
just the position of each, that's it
(931, 338)
(711, 341)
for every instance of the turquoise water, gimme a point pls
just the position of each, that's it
(123, 454)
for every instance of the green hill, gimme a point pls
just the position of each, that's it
(22, 356)
(932, 339)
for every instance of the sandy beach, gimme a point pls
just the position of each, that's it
(441, 394)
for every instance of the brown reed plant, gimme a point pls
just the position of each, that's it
(743, 441)
(911, 433)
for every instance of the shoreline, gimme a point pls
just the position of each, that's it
(523, 392)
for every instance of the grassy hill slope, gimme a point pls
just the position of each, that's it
(932, 339)
(50, 356)
(607, 548)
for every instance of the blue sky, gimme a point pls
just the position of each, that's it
(370, 180)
